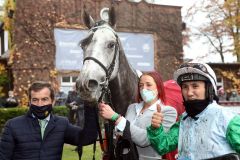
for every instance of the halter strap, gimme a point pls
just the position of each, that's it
(105, 90)
(98, 62)
(109, 70)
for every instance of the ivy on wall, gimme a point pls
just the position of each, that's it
(9, 9)
(3, 79)
(7, 19)
(233, 78)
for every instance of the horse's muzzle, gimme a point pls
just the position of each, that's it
(88, 90)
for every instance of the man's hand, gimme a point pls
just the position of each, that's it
(74, 107)
(157, 117)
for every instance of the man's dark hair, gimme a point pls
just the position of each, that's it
(39, 85)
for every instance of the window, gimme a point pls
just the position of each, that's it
(74, 79)
(67, 83)
(219, 82)
(3, 40)
(66, 79)
(1, 7)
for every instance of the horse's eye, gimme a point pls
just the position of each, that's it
(111, 45)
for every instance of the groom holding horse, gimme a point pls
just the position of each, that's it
(39, 134)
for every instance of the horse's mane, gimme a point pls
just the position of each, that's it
(124, 86)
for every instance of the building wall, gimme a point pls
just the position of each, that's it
(34, 56)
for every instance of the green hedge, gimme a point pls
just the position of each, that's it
(9, 113)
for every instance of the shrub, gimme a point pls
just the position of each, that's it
(9, 113)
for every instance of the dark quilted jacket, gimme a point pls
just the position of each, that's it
(21, 139)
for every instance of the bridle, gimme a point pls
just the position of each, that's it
(110, 69)
(105, 92)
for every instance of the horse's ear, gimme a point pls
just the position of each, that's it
(112, 17)
(88, 20)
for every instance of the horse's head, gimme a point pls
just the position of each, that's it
(100, 53)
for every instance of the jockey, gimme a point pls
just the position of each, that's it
(206, 129)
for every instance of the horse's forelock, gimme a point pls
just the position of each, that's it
(99, 23)
(102, 25)
(86, 40)
(89, 37)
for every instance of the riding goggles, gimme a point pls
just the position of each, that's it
(199, 66)
(193, 75)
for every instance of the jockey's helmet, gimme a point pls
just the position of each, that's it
(192, 71)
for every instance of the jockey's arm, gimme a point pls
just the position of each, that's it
(233, 133)
(162, 141)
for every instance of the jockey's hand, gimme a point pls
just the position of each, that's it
(105, 111)
(157, 117)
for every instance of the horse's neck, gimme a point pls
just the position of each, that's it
(124, 86)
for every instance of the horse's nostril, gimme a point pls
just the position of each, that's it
(92, 84)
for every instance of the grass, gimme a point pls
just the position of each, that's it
(69, 153)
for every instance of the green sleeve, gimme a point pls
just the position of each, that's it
(163, 142)
(233, 133)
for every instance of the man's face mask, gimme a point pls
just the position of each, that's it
(148, 95)
(41, 112)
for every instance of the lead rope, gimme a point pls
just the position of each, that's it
(98, 126)
(108, 128)
(99, 134)
(110, 131)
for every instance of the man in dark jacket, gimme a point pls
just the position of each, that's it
(76, 108)
(40, 135)
(76, 112)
